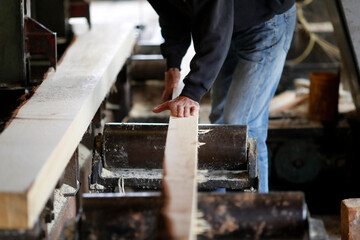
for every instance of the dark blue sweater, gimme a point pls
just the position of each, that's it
(211, 24)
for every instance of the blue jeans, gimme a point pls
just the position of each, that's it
(247, 82)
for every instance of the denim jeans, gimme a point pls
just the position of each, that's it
(247, 82)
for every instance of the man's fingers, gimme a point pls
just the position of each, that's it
(180, 107)
(187, 112)
(173, 109)
(162, 107)
(180, 111)
(194, 110)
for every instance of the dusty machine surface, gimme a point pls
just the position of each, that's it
(134, 153)
(126, 185)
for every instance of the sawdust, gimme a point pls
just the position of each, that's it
(202, 226)
(135, 173)
(59, 200)
(107, 174)
(204, 131)
(200, 144)
(219, 175)
(67, 189)
(201, 178)
(97, 186)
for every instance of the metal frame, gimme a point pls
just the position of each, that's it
(344, 15)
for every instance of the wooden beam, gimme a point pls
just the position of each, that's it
(179, 179)
(36, 146)
(179, 170)
(350, 219)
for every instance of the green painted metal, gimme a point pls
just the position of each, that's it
(12, 43)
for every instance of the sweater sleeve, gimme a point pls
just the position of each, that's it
(176, 31)
(212, 29)
(280, 6)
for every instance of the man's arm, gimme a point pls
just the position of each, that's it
(176, 31)
(212, 31)
(211, 27)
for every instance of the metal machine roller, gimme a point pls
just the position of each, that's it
(220, 216)
(134, 154)
(142, 145)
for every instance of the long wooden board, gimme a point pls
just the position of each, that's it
(38, 143)
(180, 167)
(179, 181)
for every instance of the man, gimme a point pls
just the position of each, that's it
(240, 46)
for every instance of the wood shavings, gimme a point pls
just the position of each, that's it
(200, 144)
(107, 174)
(202, 225)
(204, 131)
(200, 178)
(97, 186)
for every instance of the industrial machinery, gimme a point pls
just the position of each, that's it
(122, 171)
(35, 33)
(128, 160)
(306, 155)
(231, 164)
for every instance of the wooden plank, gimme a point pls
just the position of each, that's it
(180, 167)
(36, 146)
(179, 181)
(350, 219)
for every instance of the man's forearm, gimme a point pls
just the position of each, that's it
(212, 31)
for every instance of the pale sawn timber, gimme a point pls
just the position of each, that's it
(179, 180)
(36, 147)
(180, 168)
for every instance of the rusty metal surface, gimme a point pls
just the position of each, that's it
(227, 216)
(142, 146)
(40, 40)
(253, 216)
(119, 216)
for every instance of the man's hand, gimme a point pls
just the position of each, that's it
(179, 107)
(172, 78)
